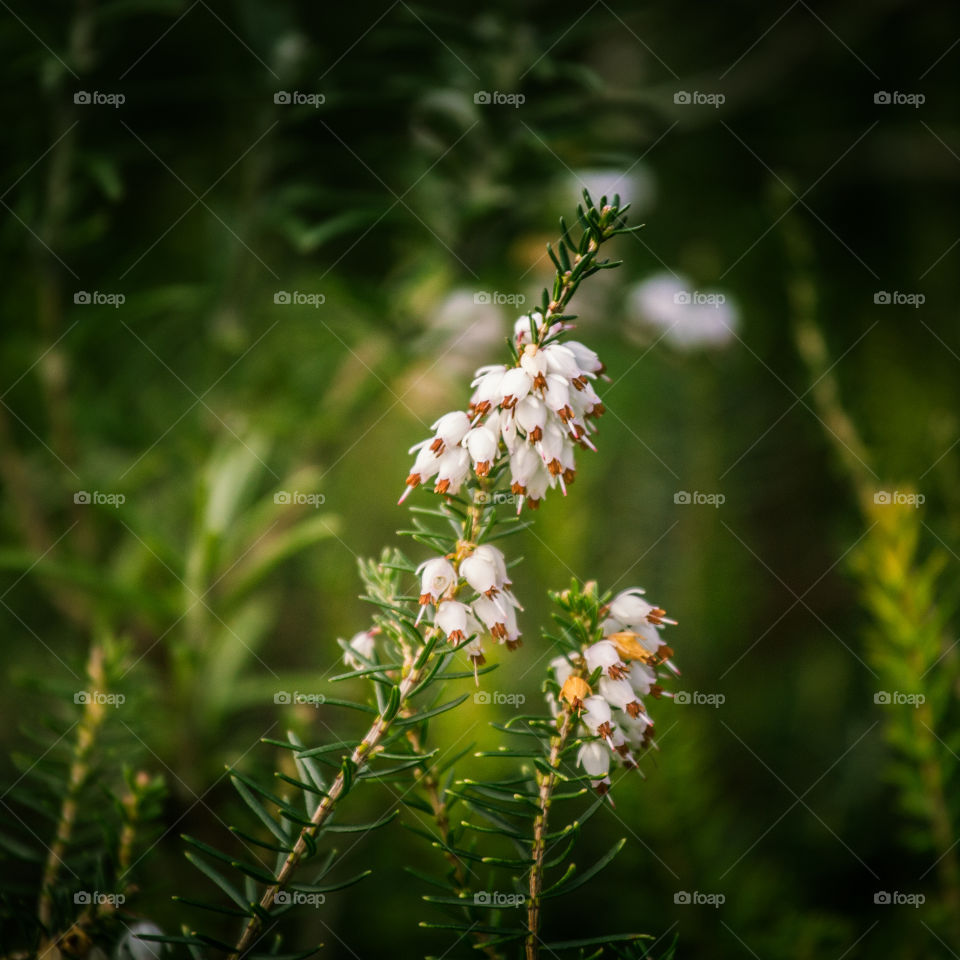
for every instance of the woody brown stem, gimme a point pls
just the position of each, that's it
(546, 782)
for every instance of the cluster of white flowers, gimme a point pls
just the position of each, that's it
(537, 411)
(627, 659)
(491, 613)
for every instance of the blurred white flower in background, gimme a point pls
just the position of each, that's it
(636, 186)
(469, 324)
(671, 306)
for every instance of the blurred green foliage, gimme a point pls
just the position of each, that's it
(200, 398)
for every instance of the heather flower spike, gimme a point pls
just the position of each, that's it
(622, 666)
(531, 416)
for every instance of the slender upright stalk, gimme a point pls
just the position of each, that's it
(359, 758)
(87, 730)
(546, 782)
(854, 456)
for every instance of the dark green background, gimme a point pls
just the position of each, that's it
(395, 192)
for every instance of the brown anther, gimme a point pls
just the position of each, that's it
(605, 730)
(513, 644)
(555, 468)
(442, 486)
(518, 488)
(536, 434)
(437, 446)
(426, 598)
(508, 402)
(656, 691)
(540, 382)
(579, 382)
(569, 475)
(413, 479)
(617, 671)
(483, 468)
(499, 630)
(634, 709)
(533, 503)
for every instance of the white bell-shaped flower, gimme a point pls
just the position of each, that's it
(587, 359)
(604, 654)
(562, 361)
(424, 467)
(597, 716)
(562, 668)
(620, 694)
(534, 361)
(642, 678)
(482, 572)
(491, 616)
(451, 618)
(530, 415)
(594, 757)
(514, 386)
(454, 467)
(482, 444)
(494, 555)
(449, 430)
(629, 607)
(436, 577)
(556, 396)
(486, 388)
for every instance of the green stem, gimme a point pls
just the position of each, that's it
(87, 731)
